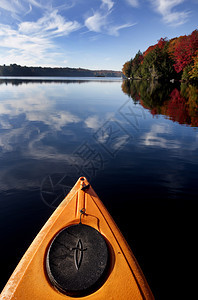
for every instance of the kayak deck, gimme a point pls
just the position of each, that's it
(82, 242)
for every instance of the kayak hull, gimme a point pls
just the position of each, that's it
(123, 279)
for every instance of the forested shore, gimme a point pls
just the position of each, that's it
(17, 70)
(176, 58)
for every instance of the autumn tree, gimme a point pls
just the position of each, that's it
(160, 45)
(126, 70)
(184, 51)
(167, 59)
(193, 73)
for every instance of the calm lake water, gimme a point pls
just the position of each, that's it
(136, 143)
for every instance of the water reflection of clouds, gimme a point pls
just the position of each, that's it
(4, 123)
(9, 139)
(159, 136)
(35, 108)
(55, 120)
(172, 137)
(39, 150)
(21, 119)
(93, 122)
(27, 123)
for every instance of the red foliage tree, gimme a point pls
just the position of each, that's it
(184, 50)
(161, 43)
(151, 48)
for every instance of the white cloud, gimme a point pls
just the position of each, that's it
(29, 10)
(167, 5)
(22, 47)
(170, 15)
(39, 3)
(99, 22)
(23, 7)
(114, 30)
(176, 18)
(12, 6)
(134, 3)
(33, 41)
(96, 22)
(109, 4)
(50, 25)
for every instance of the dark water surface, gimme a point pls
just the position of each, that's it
(136, 143)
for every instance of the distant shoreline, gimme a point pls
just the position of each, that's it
(15, 70)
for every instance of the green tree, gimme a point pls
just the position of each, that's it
(136, 65)
(158, 64)
(150, 66)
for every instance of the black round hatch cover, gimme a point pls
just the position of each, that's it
(77, 260)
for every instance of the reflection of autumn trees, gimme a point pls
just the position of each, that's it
(176, 108)
(178, 103)
(191, 93)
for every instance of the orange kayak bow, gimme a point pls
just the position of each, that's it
(79, 252)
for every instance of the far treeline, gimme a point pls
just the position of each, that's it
(168, 59)
(17, 70)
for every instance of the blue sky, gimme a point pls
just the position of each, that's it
(93, 34)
